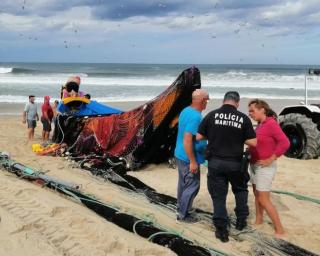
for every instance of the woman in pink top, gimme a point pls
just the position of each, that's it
(271, 144)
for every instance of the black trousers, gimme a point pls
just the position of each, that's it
(220, 174)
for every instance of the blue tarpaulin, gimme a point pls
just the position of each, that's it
(91, 109)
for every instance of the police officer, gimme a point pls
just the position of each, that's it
(227, 130)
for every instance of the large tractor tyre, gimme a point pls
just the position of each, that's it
(303, 135)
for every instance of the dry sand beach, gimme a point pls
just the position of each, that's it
(38, 221)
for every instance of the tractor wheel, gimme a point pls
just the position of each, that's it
(303, 135)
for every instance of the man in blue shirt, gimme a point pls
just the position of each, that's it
(189, 154)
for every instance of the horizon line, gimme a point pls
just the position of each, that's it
(151, 63)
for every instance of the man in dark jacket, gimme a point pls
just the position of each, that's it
(227, 130)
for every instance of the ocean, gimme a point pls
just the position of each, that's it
(141, 82)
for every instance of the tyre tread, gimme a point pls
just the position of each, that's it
(311, 132)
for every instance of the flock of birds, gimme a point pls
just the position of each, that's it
(237, 31)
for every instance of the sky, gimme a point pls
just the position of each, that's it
(173, 31)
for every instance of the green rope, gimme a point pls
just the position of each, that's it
(154, 223)
(69, 193)
(150, 238)
(211, 250)
(147, 217)
(98, 202)
(216, 251)
(180, 234)
(79, 198)
(297, 196)
(135, 224)
(151, 219)
(91, 196)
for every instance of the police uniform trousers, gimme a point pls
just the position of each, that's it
(220, 174)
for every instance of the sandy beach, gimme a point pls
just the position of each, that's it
(144, 59)
(38, 221)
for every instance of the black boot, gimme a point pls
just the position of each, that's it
(222, 234)
(241, 224)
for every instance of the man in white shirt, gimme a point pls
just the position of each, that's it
(30, 116)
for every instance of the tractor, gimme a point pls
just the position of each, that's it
(301, 124)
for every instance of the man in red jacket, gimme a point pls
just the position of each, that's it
(46, 118)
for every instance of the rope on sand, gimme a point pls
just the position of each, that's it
(150, 238)
(297, 196)
(170, 239)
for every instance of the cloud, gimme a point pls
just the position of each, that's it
(156, 24)
(126, 9)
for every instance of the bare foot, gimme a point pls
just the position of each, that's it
(257, 226)
(282, 235)
(258, 222)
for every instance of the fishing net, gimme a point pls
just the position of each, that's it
(146, 134)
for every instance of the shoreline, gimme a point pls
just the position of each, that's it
(16, 109)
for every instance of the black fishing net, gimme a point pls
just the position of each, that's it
(146, 134)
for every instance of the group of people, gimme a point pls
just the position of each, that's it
(30, 116)
(49, 113)
(220, 137)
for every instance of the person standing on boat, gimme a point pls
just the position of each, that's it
(71, 88)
